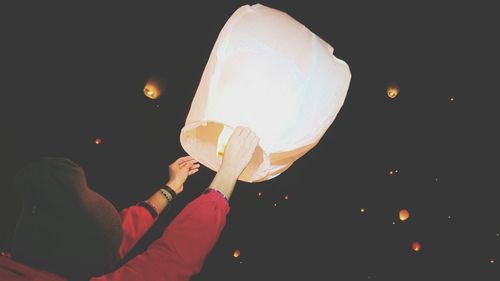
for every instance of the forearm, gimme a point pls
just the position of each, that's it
(225, 181)
(163, 196)
(137, 220)
(180, 252)
(158, 201)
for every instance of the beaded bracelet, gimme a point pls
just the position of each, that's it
(166, 194)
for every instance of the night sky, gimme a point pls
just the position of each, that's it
(75, 73)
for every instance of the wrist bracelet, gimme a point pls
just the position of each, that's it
(166, 194)
(171, 191)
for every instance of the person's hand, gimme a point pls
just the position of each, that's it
(180, 170)
(239, 150)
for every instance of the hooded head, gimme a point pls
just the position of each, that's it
(64, 226)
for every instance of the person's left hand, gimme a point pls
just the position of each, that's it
(180, 170)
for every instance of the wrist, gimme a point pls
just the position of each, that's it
(229, 173)
(174, 186)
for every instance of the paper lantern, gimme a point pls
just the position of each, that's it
(404, 215)
(416, 246)
(236, 253)
(154, 88)
(267, 72)
(392, 91)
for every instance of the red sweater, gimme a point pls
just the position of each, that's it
(177, 255)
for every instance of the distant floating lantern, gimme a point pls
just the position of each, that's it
(416, 246)
(392, 91)
(98, 141)
(236, 253)
(259, 194)
(286, 197)
(154, 88)
(404, 214)
(362, 210)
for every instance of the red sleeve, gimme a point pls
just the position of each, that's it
(180, 252)
(136, 221)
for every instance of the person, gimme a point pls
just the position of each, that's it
(66, 231)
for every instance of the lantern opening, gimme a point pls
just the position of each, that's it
(206, 142)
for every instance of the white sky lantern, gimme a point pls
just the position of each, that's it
(267, 72)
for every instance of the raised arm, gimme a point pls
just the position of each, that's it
(180, 252)
(137, 219)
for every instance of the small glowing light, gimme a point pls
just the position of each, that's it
(98, 141)
(259, 194)
(153, 88)
(498, 234)
(492, 261)
(452, 99)
(436, 179)
(416, 246)
(392, 91)
(275, 204)
(396, 171)
(222, 141)
(449, 217)
(393, 222)
(362, 210)
(391, 172)
(236, 253)
(286, 197)
(404, 214)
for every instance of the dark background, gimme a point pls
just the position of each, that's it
(74, 73)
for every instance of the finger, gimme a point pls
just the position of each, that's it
(251, 135)
(189, 162)
(255, 142)
(245, 132)
(193, 171)
(183, 159)
(238, 131)
(195, 166)
(186, 166)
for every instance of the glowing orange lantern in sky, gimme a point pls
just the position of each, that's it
(392, 91)
(236, 253)
(416, 246)
(154, 88)
(404, 214)
(98, 141)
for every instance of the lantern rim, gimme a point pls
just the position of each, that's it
(257, 170)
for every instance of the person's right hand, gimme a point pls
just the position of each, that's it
(239, 150)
